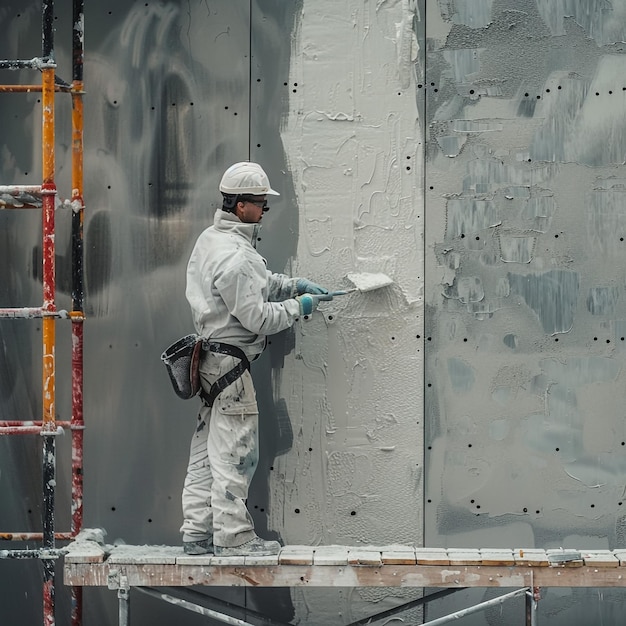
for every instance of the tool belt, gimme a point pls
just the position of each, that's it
(182, 362)
(230, 377)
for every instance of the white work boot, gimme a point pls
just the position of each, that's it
(205, 546)
(254, 547)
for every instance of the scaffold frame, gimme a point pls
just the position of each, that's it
(44, 197)
(91, 562)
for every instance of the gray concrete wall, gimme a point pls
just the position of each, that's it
(524, 105)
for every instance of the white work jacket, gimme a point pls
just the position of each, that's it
(234, 298)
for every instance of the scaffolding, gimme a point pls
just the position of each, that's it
(166, 573)
(44, 197)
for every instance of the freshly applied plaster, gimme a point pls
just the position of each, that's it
(353, 384)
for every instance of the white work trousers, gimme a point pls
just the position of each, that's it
(222, 460)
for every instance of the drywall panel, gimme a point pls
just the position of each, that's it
(525, 289)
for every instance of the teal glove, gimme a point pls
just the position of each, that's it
(304, 285)
(309, 302)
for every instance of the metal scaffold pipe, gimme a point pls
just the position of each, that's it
(477, 607)
(196, 608)
(48, 323)
(78, 291)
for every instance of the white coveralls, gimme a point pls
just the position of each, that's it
(234, 300)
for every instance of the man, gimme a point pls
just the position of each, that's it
(235, 302)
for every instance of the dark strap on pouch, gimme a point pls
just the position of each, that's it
(231, 376)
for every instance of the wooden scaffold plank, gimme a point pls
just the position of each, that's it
(330, 555)
(496, 556)
(431, 556)
(463, 556)
(89, 562)
(530, 557)
(600, 558)
(369, 556)
(296, 555)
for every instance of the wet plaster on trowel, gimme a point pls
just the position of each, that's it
(354, 473)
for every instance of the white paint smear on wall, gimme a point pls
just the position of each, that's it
(353, 384)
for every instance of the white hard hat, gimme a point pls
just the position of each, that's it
(246, 178)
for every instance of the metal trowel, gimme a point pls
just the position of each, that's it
(364, 282)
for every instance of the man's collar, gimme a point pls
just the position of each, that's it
(230, 222)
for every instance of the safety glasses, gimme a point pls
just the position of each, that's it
(260, 203)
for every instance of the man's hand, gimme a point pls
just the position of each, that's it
(309, 302)
(304, 285)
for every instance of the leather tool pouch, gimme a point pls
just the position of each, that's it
(182, 360)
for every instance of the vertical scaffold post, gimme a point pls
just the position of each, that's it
(49, 306)
(123, 595)
(532, 597)
(77, 315)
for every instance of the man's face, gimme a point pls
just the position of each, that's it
(250, 209)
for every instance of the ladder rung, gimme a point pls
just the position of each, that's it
(31, 536)
(30, 197)
(38, 423)
(20, 197)
(36, 63)
(31, 313)
(28, 88)
(29, 430)
(14, 190)
(19, 203)
(42, 553)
